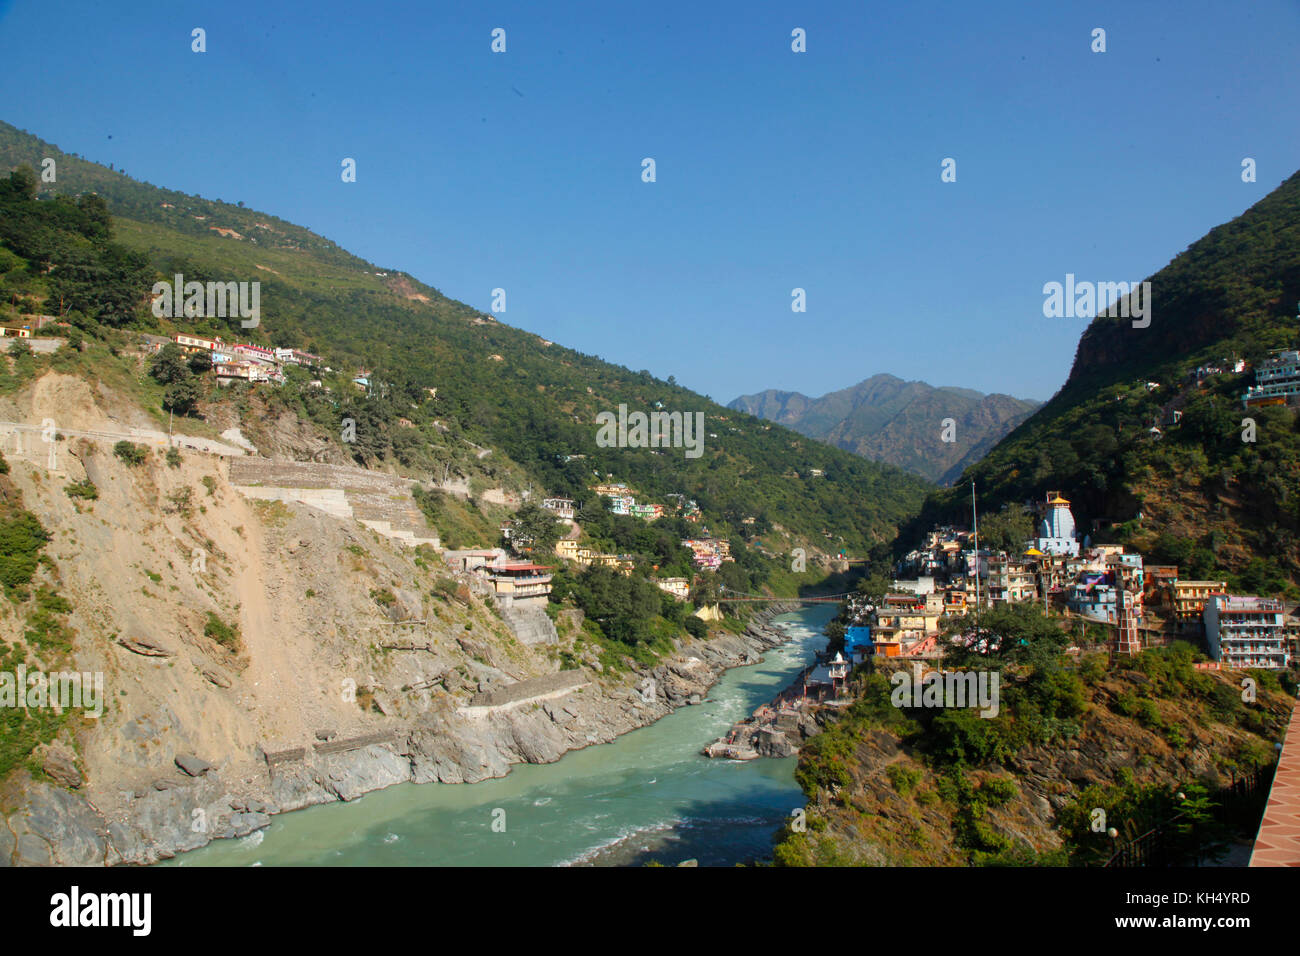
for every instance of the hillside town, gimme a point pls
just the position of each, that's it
(1139, 604)
(239, 362)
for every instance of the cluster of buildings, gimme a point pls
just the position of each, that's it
(1277, 378)
(621, 500)
(1277, 381)
(708, 553)
(569, 549)
(1100, 583)
(679, 588)
(518, 584)
(237, 361)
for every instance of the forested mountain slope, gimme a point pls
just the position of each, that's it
(1197, 491)
(497, 387)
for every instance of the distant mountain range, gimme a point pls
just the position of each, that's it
(901, 423)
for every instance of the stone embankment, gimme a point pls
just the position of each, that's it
(379, 501)
(777, 729)
(532, 721)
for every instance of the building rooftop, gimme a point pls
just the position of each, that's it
(1239, 602)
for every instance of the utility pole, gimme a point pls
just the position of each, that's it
(975, 525)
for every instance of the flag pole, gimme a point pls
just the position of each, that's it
(975, 524)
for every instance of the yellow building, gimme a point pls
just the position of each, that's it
(1189, 601)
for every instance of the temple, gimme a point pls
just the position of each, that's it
(1056, 533)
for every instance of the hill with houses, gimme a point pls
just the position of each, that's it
(1179, 439)
(430, 384)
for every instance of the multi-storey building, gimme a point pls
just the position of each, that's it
(1277, 381)
(1010, 580)
(196, 343)
(1189, 603)
(903, 619)
(563, 507)
(679, 588)
(520, 584)
(254, 353)
(1246, 631)
(297, 357)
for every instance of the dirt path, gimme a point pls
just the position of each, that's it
(274, 675)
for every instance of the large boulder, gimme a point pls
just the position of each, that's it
(146, 646)
(60, 765)
(192, 765)
(406, 607)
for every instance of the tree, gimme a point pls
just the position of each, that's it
(875, 586)
(181, 396)
(199, 363)
(534, 527)
(169, 366)
(22, 183)
(1007, 530)
(705, 590)
(1009, 632)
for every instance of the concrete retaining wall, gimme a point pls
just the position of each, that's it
(527, 689)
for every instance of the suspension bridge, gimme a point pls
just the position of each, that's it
(738, 597)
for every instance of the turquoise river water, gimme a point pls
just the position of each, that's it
(647, 795)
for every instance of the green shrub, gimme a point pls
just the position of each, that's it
(21, 539)
(221, 632)
(181, 501)
(998, 790)
(82, 489)
(131, 453)
(903, 778)
(173, 458)
(46, 628)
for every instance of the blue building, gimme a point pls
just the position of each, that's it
(858, 636)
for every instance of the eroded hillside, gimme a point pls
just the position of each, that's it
(227, 630)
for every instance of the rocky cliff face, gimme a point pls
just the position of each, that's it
(340, 662)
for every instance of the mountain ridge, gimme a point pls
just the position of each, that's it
(900, 422)
(1156, 455)
(496, 385)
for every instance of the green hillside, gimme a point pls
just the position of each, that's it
(1195, 493)
(497, 387)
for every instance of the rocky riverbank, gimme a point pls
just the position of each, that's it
(449, 743)
(777, 729)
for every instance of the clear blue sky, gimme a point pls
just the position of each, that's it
(775, 170)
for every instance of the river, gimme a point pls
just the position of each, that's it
(648, 795)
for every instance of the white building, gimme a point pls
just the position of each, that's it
(1246, 632)
(1056, 532)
